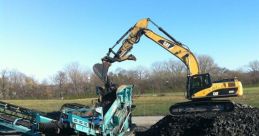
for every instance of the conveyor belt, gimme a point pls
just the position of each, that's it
(20, 120)
(18, 111)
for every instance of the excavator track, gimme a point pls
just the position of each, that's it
(201, 106)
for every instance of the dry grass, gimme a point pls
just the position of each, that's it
(148, 104)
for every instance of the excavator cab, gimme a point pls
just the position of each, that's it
(197, 82)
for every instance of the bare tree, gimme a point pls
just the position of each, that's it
(254, 66)
(60, 79)
(4, 83)
(74, 76)
(30, 88)
(207, 64)
(254, 71)
(176, 74)
(77, 77)
(17, 82)
(141, 76)
(158, 75)
(142, 72)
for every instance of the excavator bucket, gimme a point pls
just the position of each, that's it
(201, 106)
(101, 70)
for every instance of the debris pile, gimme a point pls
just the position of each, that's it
(244, 120)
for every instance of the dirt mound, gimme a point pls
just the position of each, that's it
(244, 120)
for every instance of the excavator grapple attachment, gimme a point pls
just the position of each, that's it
(201, 106)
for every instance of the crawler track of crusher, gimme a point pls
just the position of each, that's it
(201, 106)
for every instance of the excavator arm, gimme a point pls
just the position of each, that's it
(173, 46)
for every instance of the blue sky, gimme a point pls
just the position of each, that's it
(40, 37)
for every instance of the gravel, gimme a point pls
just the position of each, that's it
(244, 120)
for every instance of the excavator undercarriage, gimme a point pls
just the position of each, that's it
(197, 106)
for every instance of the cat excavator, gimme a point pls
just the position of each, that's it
(200, 90)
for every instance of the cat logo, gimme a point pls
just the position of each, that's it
(215, 93)
(165, 44)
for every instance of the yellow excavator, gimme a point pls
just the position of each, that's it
(200, 90)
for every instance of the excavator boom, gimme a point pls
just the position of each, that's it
(184, 54)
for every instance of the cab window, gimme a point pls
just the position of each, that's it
(199, 82)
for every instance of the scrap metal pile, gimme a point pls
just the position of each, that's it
(244, 120)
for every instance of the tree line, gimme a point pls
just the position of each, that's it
(75, 82)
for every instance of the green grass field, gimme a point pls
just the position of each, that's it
(146, 105)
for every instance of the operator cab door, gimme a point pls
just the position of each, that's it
(197, 83)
